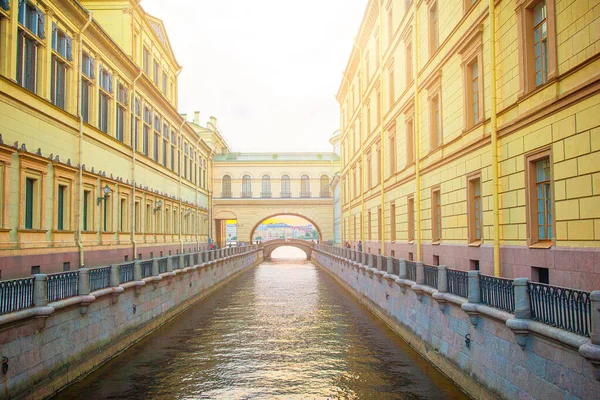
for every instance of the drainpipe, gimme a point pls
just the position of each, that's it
(210, 191)
(180, 203)
(342, 160)
(133, 159)
(494, 134)
(382, 136)
(197, 205)
(80, 146)
(362, 153)
(417, 135)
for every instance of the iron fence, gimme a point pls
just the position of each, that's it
(396, 266)
(63, 285)
(458, 282)
(411, 270)
(563, 308)
(186, 260)
(175, 261)
(146, 268)
(162, 265)
(431, 276)
(497, 292)
(126, 272)
(16, 294)
(195, 258)
(99, 278)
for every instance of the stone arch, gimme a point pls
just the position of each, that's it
(272, 245)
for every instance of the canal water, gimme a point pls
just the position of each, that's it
(284, 329)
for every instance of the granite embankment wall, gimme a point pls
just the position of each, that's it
(548, 363)
(46, 348)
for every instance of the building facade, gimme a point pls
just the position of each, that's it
(96, 163)
(471, 136)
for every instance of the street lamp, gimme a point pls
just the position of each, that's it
(106, 191)
(159, 205)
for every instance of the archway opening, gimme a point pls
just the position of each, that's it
(285, 227)
(285, 253)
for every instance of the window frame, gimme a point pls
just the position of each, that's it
(472, 209)
(472, 52)
(436, 215)
(410, 217)
(533, 240)
(434, 95)
(226, 187)
(433, 19)
(392, 221)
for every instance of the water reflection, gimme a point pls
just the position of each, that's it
(282, 330)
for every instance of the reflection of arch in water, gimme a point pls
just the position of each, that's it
(305, 245)
(280, 215)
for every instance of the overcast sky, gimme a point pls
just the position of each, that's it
(267, 69)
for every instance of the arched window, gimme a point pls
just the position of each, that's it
(266, 186)
(226, 187)
(324, 186)
(246, 186)
(285, 186)
(304, 186)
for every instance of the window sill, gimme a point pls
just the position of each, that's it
(32, 230)
(411, 242)
(476, 243)
(62, 231)
(541, 245)
(436, 243)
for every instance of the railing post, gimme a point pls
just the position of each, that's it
(402, 268)
(389, 265)
(169, 264)
(84, 281)
(370, 260)
(595, 317)
(181, 261)
(114, 275)
(363, 258)
(420, 273)
(442, 278)
(40, 290)
(522, 307)
(137, 270)
(474, 292)
(155, 271)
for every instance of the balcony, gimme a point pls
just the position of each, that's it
(246, 195)
(226, 195)
(265, 195)
(326, 194)
(286, 195)
(304, 194)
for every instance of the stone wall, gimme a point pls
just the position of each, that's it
(49, 347)
(549, 365)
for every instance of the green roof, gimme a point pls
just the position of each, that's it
(249, 157)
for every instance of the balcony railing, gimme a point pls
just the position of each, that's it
(99, 278)
(431, 276)
(286, 195)
(16, 294)
(126, 272)
(304, 194)
(226, 195)
(497, 292)
(265, 195)
(146, 268)
(411, 270)
(325, 194)
(63, 285)
(458, 282)
(246, 195)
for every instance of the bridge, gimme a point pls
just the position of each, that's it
(253, 187)
(304, 245)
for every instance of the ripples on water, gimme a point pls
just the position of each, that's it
(282, 330)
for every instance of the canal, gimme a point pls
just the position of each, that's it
(284, 329)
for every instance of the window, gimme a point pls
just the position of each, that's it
(226, 187)
(105, 91)
(369, 171)
(304, 186)
(474, 208)
(148, 219)
(156, 146)
(106, 214)
(146, 60)
(146, 130)
(266, 186)
(472, 65)
(30, 35)
(436, 216)
(246, 186)
(61, 211)
(285, 186)
(410, 141)
(88, 211)
(137, 216)
(123, 215)
(540, 201)
(434, 33)
(165, 152)
(390, 22)
(409, 63)
(379, 225)
(324, 186)
(435, 122)
(392, 150)
(164, 83)
(30, 200)
(541, 275)
(537, 43)
(135, 125)
(121, 106)
(62, 54)
(410, 212)
(369, 229)
(393, 222)
(87, 82)
(156, 72)
(378, 164)
(391, 90)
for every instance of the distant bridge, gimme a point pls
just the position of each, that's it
(304, 245)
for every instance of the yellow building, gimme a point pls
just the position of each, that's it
(96, 163)
(471, 136)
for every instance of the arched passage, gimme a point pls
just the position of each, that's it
(304, 245)
(259, 223)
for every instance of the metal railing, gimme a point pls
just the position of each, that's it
(146, 268)
(99, 278)
(16, 294)
(162, 265)
(411, 270)
(497, 292)
(186, 260)
(560, 307)
(175, 261)
(126, 272)
(396, 266)
(63, 285)
(431, 276)
(458, 282)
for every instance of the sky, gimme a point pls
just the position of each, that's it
(286, 219)
(268, 70)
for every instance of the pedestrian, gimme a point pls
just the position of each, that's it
(211, 246)
(347, 244)
(360, 246)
